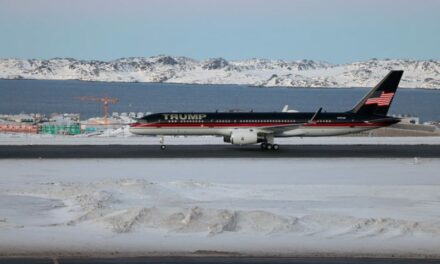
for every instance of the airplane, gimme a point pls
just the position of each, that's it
(244, 128)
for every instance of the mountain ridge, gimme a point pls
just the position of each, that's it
(255, 71)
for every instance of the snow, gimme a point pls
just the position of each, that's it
(256, 72)
(122, 136)
(379, 207)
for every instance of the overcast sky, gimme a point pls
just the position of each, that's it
(337, 31)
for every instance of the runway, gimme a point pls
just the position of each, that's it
(218, 151)
(217, 260)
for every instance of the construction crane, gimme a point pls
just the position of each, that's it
(106, 100)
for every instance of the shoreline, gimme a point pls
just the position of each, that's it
(215, 84)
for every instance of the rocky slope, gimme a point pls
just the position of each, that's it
(258, 72)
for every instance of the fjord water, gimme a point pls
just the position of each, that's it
(46, 97)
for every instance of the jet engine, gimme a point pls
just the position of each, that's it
(243, 137)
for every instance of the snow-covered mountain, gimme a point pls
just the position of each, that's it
(257, 72)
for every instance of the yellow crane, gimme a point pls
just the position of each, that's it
(106, 100)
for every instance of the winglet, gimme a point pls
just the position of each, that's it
(315, 116)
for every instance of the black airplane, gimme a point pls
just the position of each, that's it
(240, 128)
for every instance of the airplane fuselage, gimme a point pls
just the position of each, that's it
(223, 124)
(242, 128)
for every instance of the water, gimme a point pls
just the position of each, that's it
(40, 96)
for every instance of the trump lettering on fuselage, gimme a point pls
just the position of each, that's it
(184, 116)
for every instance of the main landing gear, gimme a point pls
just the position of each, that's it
(268, 146)
(268, 143)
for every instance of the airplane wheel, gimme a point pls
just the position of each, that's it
(275, 147)
(268, 146)
(263, 145)
(163, 147)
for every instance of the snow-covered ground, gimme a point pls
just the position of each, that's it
(121, 136)
(388, 207)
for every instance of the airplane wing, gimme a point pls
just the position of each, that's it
(280, 128)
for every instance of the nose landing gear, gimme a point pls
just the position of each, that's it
(162, 143)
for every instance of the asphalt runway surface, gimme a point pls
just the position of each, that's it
(219, 151)
(217, 260)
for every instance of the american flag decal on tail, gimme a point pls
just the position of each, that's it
(383, 100)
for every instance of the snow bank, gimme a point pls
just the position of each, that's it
(284, 206)
(122, 137)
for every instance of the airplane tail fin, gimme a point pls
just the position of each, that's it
(378, 100)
